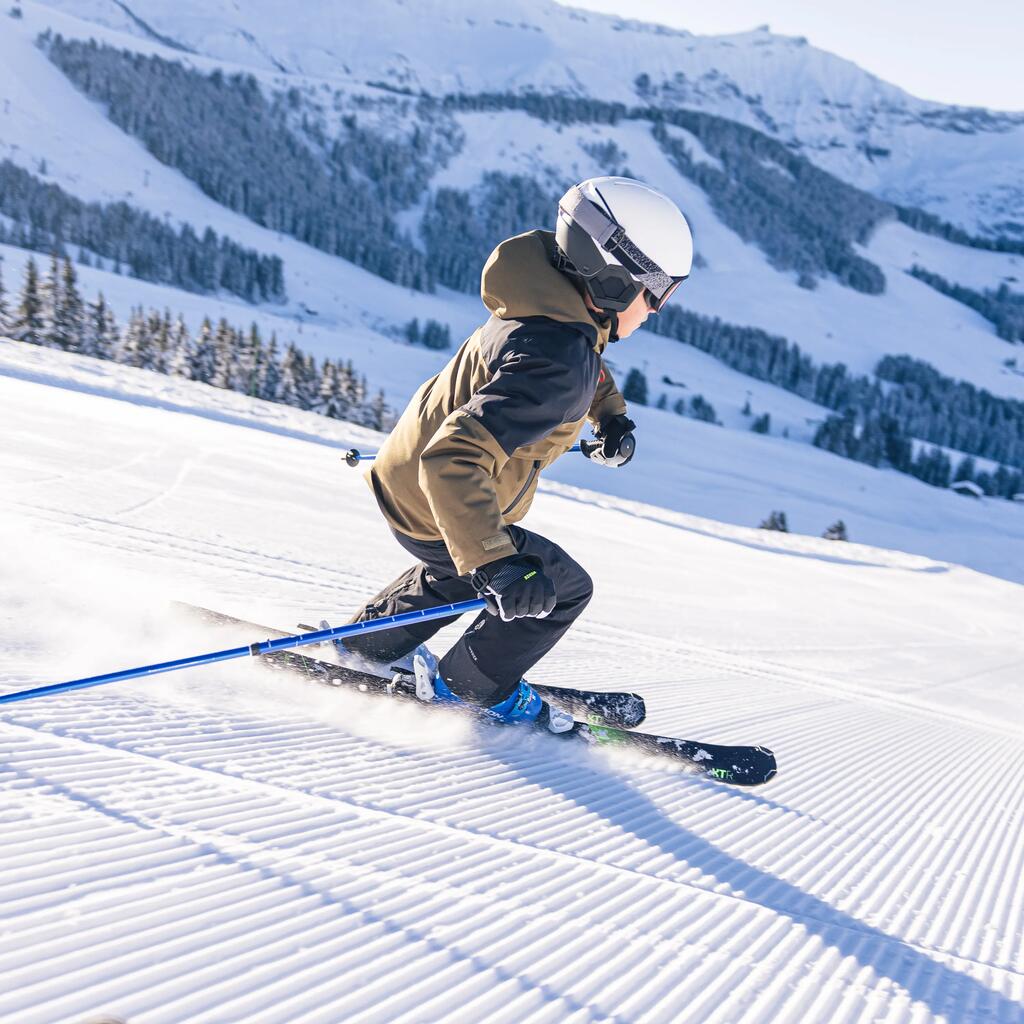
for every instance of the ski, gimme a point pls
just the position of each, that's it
(621, 710)
(737, 765)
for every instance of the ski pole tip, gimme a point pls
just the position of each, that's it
(352, 457)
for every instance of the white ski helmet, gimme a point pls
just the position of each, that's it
(621, 236)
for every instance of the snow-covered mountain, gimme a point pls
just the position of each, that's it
(964, 164)
(52, 129)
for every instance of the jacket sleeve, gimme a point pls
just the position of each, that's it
(608, 400)
(531, 393)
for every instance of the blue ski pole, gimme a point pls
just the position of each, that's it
(264, 647)
(354, 456)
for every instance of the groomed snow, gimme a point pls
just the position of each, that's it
(221, 845)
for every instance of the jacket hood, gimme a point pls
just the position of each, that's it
(519, 280)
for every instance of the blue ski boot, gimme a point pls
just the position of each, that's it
(523, 706)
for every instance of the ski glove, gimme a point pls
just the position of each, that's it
(515, 588)
(615, 443)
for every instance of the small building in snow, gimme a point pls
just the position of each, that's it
(968, 488)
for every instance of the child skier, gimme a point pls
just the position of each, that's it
(460, 469)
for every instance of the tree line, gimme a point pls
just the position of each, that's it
(802, 217)
(930, 224)
(121, 238)
(340, 190)
(272, 159)
(792, 211)
(266, 158)
(878, 441)
(50, 311)
(905, 398)
(1003, 308)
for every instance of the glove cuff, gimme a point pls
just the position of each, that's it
(499, 574)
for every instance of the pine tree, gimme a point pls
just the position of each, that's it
(635, 388)
(307, 381)
(376, 413)
(270, 372)
(763, 424)
(180, 360)
(871, 443)
(28, 320)
(69, 319)
(250, 369)
(99, 332)
(436, 335)
(6, 320)
(288, 382)
(701, 409)
(326, 401)
(204, 354)
(775, 521)
(225, 348)
(51, 306)
(837, 531)
(159, 330)
(136, 348)
(966, 469)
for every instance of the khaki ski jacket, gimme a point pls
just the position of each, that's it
(464, 458)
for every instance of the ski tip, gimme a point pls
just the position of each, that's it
(755, 767)
(765, 770)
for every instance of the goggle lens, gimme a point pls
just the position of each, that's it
(656, 302)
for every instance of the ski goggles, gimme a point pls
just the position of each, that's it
(654, 301)
(656, 284)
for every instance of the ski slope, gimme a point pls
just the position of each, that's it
(224, 845)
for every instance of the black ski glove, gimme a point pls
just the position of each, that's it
(515, 587)
(615, 442)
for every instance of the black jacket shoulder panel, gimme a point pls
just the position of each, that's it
(543, 373)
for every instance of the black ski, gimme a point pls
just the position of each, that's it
(622, 710)
(739, 765)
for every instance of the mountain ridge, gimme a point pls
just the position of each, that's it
(850, 122)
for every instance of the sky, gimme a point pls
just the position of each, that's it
(945, 50)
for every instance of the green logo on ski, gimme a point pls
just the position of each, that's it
(720, 773)
(604, 734)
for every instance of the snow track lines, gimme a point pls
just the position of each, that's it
(230, 847)
(337, 895)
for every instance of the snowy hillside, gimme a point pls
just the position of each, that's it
(338, 310)
(224, 845)
(53, 125)
(965, 164)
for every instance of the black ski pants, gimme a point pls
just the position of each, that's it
(490, 658)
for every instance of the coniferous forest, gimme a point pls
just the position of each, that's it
(1002, 307)
(46, 219)
(879, 416)
(260, 158)
(323, 170)
(50, 311)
